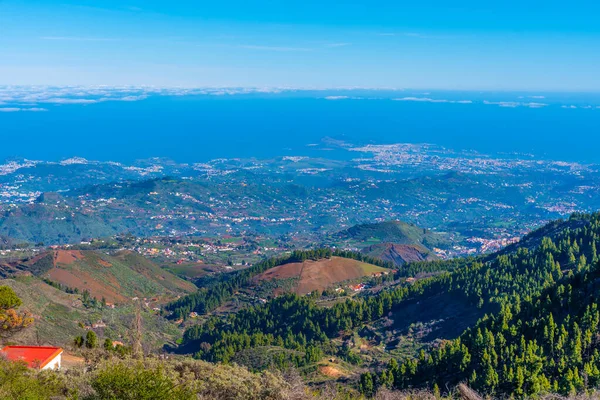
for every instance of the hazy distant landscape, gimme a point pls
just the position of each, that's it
(313, 200)
(478, 203)
(391, 249)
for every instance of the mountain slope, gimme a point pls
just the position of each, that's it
(540, 318)
(58, 315)
(552, 230)
(40, 222)
(397, 232)
(399, 254)
(320, 274)
(143, 208)
(515, 324)
(116, 278)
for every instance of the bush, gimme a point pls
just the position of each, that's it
(150, 379)
(21, 383)
(91, 340)
(128, 380)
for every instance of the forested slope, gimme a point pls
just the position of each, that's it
(212, 296)
(537, 331)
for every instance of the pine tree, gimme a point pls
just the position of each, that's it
(91, 340)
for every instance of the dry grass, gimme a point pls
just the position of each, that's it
(466, 393)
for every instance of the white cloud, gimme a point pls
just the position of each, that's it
(514, 104)
(535, 105)
(18, 109)
(430, 100)
(511, 104)
(131, 98)
(507, 104)
(30, 96)
(573, 107)
(59, 100)
(26, 98)
(344, 98)
(69, 100)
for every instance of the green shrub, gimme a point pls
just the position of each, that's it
(21, 383)
(135, 381)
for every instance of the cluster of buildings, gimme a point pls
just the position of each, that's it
(13, 194)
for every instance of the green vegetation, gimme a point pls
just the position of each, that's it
(19, 382)
(11, 320)
(291, 322)
(117, 277)
(400, 254)
(116, 378)
(537, 330)
(212, 296)
(519, 323)
(542, 333)
(393, 232)
(91, 340)
(60, 317)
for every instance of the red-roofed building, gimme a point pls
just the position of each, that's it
(38, 357)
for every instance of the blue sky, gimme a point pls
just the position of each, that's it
(466, 45)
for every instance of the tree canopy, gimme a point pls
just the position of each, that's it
(11, 320)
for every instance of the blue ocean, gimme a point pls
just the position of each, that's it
(198, 128)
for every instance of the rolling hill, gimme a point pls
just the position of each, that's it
(312, 275)
(58, 317)
(117, 278)
(397, 232)
(399, 254)
(55, 223)
(142, 208)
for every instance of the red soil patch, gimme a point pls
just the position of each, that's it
(316, 275)
(330, 371)
(285, 271)
(84, 281)
(67, 257)
(322, 274)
